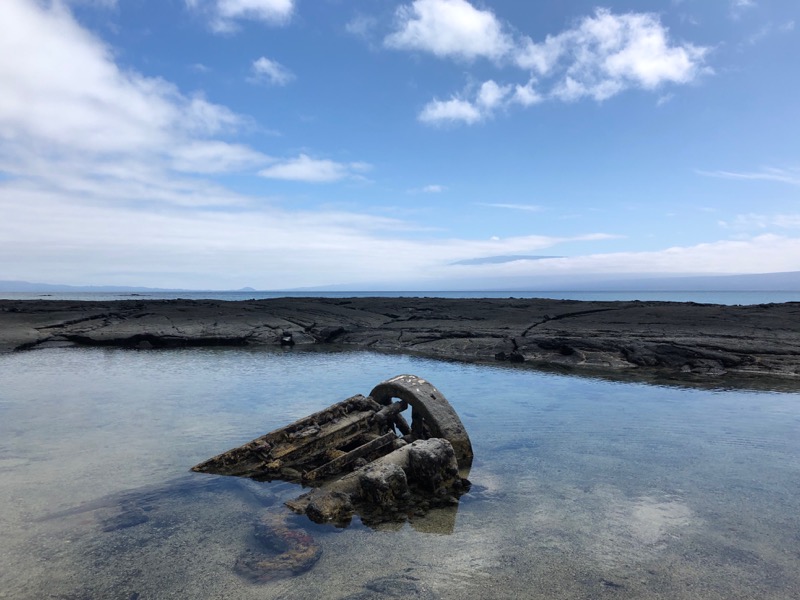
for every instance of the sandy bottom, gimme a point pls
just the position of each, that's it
(181, 540)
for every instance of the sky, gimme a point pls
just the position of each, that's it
(396, 144)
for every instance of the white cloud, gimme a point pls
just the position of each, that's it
(449, 28)
(312, 170)
(602, 56)
(224, 14)
(491, 95)
(62, 91)
(70, 118)
(540, 57)
(527, 95)
(487, 98)
(271, 71)
(790, 176)
(452, 111)
(607, 53)
(201, 117)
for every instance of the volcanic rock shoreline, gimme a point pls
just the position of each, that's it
(681, 341)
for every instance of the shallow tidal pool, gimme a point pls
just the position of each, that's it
(582, 488)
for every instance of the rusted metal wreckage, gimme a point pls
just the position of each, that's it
(362, 456)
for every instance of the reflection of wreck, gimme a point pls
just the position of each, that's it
(362, 456)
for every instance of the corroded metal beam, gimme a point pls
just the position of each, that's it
(361, 454)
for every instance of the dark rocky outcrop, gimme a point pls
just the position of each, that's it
(680, 341)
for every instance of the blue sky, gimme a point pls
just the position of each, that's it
(396, 143)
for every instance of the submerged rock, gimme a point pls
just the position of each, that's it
(282, 551)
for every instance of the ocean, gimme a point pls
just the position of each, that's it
(581, 488)
(723, 297)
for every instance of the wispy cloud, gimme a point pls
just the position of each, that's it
(100, 3)
(752, 221)
(768, 30)
(522, 207)
(213, 156)
(224, 15)
(790, 176)
(361, 26)
(433, 188)
(313, 170)
(602, 56)
(739, 7)
(665, 99)
(270, 71)
(498, 260)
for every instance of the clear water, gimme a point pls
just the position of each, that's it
(582, 488)
(727, 297)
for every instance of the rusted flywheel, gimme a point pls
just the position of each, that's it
(432, 416)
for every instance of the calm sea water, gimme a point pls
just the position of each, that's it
(582, 488)
(752, 297)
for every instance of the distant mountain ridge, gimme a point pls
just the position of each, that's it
(28, 287)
